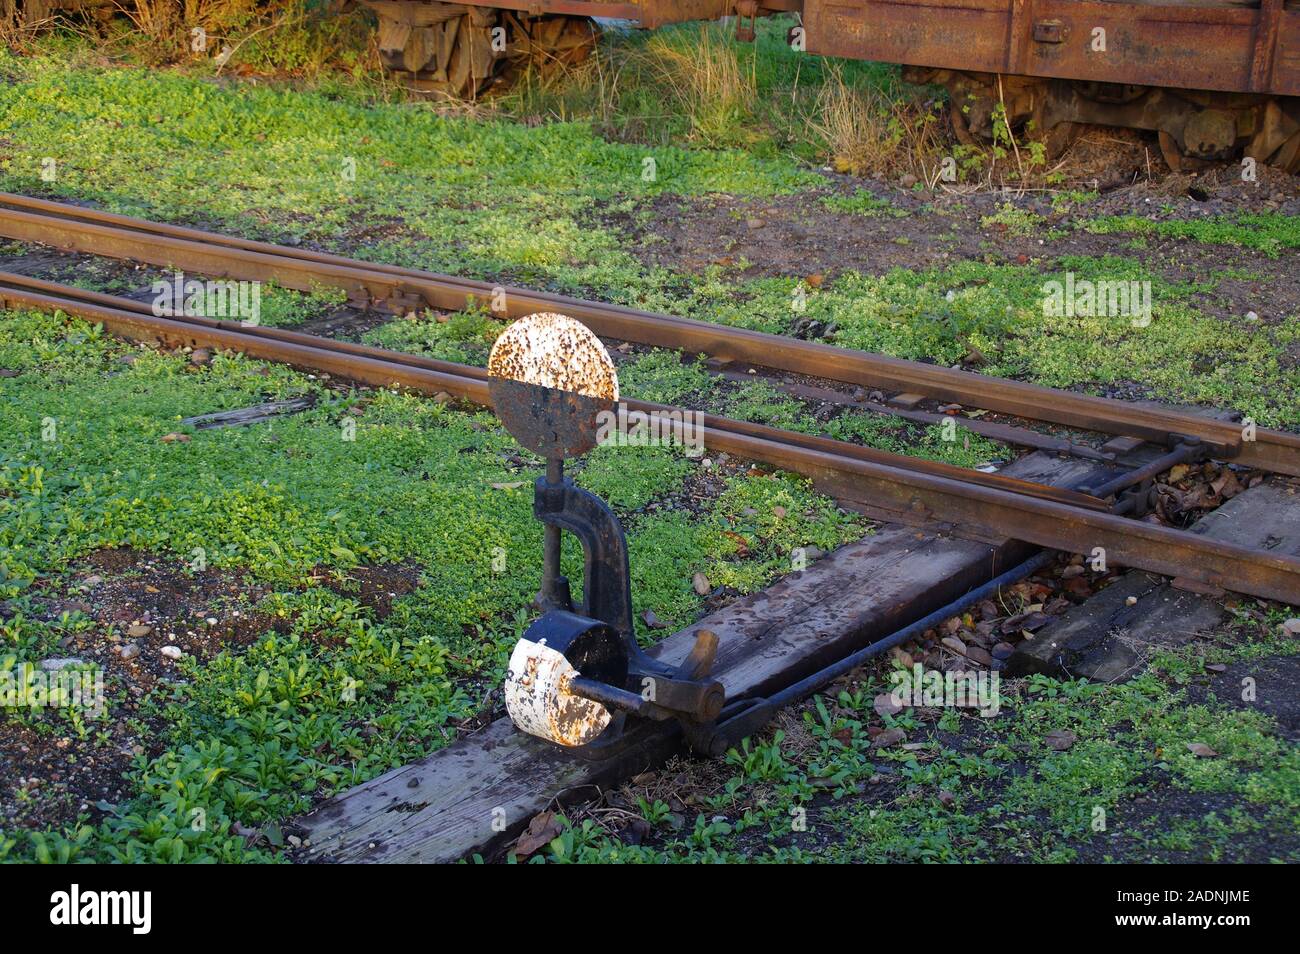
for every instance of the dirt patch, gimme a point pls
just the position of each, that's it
(1265, 685)
(147, 615)
(50, 779)
(374, 586)
(74, 268)
(799, 237)
(152, 602)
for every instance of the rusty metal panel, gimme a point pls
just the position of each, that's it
(1233, 49)
(656, 13)
(1286, 60)
(965, 35)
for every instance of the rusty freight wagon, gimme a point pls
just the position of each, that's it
(1214, 79)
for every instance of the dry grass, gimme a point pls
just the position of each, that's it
(869, 132)
(705, 79)
(159, 20)
(15, 31)
(302, 37)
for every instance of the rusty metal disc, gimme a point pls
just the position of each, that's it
(552, 384)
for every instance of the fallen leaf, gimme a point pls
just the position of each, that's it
(1030, 621)
(886, 704)
(512, 485)
(742, 545)
(653, 621)
(1291, 627)
(1226, 485)
(955, 644)
(175, 438)
(1216, 667)
(946, 798)
(1059, 739)
(890, 737)
(1201, 750)
(539, 832)
(701, 584)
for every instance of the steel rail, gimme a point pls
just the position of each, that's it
(105, 233)
(714, 427)
(986, 510)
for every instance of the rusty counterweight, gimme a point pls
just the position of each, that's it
(893, 483)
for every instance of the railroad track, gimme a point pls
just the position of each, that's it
(893, 487)
(73, 228)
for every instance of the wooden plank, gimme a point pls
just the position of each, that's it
(478, 793)
(254, 414)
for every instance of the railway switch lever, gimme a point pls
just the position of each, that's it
(578, 677)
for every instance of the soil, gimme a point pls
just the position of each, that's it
(797, 236)
(1273, 684)
(53, 774)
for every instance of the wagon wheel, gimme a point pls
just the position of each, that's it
(454, 56)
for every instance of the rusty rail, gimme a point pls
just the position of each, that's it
(468, 382)
(87, 230)
(898, 485)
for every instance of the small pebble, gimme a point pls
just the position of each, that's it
(172, 652)
(54, 665)
(129, 651)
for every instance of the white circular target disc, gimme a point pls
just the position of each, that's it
(554, 351)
